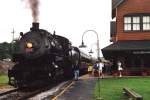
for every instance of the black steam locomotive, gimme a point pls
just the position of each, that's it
(42, 57)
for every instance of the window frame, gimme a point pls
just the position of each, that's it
(135, 23)
(127, 23)
(141, 16)
(145, 23)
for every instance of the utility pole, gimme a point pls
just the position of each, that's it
(98, 57)
(13, 32)
(12, 43)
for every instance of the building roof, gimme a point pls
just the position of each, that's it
(126, 48)
(115, 4)
(128, 45)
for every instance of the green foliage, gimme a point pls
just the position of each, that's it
(3, 80)
(112, 89)
(7, 49)
(4, 50)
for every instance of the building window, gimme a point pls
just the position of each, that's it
(127, 23)
(137, 23)
(146, 22)
(131, 23)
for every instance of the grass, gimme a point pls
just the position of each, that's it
(3, 80)
(112, 88)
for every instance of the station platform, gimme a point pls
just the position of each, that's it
(82, 89)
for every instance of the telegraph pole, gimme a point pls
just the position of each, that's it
(12, 43)
(13, 32)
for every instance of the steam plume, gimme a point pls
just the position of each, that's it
(34, 6)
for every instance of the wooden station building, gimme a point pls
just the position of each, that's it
(130, 36)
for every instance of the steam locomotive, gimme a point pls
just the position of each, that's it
(42, 58)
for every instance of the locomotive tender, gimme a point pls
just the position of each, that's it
(42, 57)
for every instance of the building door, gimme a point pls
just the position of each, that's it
(137, 62)
(146, 62)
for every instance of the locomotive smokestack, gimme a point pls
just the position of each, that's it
(35, 26)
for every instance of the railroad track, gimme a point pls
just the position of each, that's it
(21, 94)
(8, 92)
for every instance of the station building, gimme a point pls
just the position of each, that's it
(130, 36)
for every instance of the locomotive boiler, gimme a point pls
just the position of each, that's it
(42, 58)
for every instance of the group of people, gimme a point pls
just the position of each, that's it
(97, 67)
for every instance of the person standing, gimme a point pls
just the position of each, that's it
(76, 70)
(100, 69)
(120, 68)
(90, 68)
(95, 69)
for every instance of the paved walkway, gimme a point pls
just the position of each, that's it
(82, 89)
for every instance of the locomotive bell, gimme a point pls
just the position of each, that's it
(35, 26)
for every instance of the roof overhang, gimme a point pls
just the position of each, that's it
(126, 47)
(115, 4)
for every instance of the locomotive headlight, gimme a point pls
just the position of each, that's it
(29, 45)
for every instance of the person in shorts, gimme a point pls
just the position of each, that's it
(119, 68)
(100, 69)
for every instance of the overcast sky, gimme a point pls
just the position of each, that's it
(69, 18)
